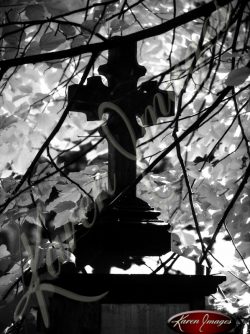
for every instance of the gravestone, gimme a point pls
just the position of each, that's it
(128, 229)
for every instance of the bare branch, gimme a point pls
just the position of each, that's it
(202, 11)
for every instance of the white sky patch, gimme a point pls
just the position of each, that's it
(44, 87)
(212, 211)
(230, 308)
(244, 299)
(88, 269)
(209, 98)
(222, 75)
(183, 265)
(206, 172)
(245, 329)
(231, 148)
(237, 131)
(134, 269)
(28, 39)
(224, 251)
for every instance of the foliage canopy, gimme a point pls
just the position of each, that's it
(193, 167)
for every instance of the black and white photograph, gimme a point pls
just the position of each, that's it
(124, 166)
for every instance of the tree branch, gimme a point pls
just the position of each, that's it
(202, 11)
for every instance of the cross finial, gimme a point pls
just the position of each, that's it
(122, 68)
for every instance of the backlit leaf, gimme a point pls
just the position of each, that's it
(35, 12)
(22, 161)
(33, 49)
(118, 25)
(63, 206)
(67, 193)
(237, 76)
(25, 89)
(7, 121)
(78, 41)
(62, 218)
(13, 34)
(67, 29)
(87, 27)
(51, 41)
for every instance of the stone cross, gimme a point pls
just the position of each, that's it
(124, 103)
(121, 244)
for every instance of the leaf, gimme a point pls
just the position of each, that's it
(8, 3)
(208, 194)
(9, 53)
(56, 7)
(13, 35)
(68, 193)
(22, 160)
(26, 89)
(35, 12)
(7, 121)
(88, 27)
(78, 41)
(79, 177)
(237, 76)
(63, 206)
(45, 122)
(24, 199)
(7, 281)
(3, 251)
(52, 78)
(5, 262)
(67, 29)
(79, 213)
(51, 41)
(118, 25)
(41, 96)
(45, 188)
(61, 218)
(8, 184)
(33, 49)
(13, 14)
(92, 170)
(187, 238)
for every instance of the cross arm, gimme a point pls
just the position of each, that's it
(153, 103)
(87, 98)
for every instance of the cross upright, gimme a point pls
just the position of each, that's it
(124, 103)
(126, 233)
